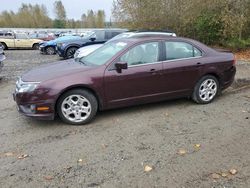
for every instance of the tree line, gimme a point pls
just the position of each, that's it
(212, 21)
(36, 16)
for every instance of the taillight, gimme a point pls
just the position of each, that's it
(234, 61)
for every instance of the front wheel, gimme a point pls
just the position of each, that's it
(71, 52)
(206, 90)
(5, 47)
(77, 107)
(50, 50)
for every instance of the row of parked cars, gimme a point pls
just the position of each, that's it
(129, 69)
(68, 46)
(14, 40)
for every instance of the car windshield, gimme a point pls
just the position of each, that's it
(104, 53)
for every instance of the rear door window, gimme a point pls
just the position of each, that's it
(111, 34)
(181, 50)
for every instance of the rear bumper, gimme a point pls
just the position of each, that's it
(228, 77)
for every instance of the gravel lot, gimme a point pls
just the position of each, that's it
(187, 145)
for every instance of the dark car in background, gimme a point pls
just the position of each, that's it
(122, 73)
(68, 49)
(2, 57)
(49, 47)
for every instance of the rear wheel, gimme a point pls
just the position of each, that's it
(35, 46)
(5, 47)
(206, 90)
(77, 107)
(70, 52)
(50, 50)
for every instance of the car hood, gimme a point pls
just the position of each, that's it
(50, 43)
(66, 38)
(62, 40)
(54, 70)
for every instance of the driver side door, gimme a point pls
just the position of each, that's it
(22, 41)
(141, 82)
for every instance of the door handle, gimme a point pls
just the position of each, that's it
(199, 63)
(153, 71)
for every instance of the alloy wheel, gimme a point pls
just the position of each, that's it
(76, 108)
(208, 90)
(71, 52)
(50, 50)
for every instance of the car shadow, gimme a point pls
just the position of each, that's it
(115, 113)
(143, 108)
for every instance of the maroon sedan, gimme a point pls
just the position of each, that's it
(122, 73)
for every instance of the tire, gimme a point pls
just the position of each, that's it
(50, 50)
(77, 107)
(35, 46)
(70, 52)
(206, 90)
(5, 47)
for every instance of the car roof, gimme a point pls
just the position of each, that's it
(145, 38)
(142, 39)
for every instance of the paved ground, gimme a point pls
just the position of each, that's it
(114, 150)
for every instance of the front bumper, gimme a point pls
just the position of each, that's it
(60, 52)
(29, 104)
(42, 49)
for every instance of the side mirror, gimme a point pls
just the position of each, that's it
(92, 39)
(120, 66)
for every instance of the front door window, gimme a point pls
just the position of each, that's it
(142, 54)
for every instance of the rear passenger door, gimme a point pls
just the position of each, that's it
(181, 67)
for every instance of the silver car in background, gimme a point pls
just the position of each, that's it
(86, 50)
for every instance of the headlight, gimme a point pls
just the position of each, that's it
(24, 87)
(59, 44)
(77, 53)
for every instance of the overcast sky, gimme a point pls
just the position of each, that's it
(74, 8)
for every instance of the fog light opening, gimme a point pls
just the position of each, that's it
(42, 108)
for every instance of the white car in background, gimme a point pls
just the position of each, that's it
(86, 50)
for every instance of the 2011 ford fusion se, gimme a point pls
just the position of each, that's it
(122, 73)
